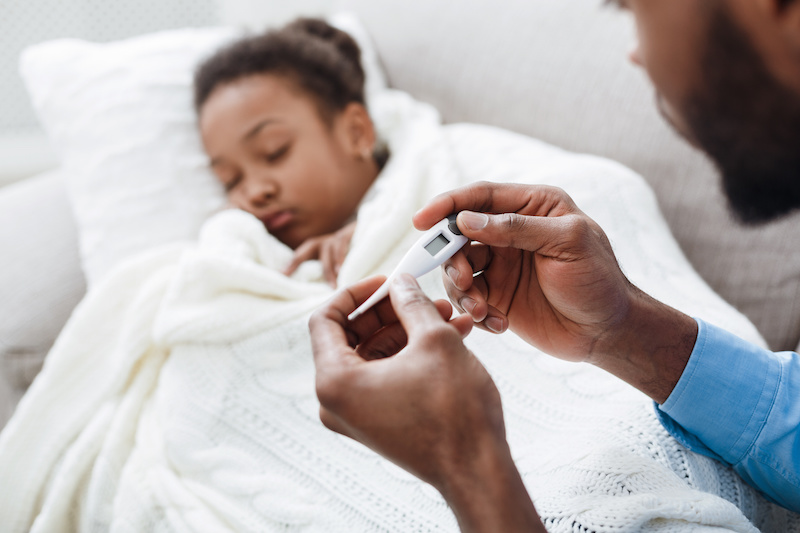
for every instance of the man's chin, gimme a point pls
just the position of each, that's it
(751, 202)
(754, 204)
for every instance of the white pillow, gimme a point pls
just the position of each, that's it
(121, 117)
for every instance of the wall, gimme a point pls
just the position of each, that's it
(257, 14)
(24, 149)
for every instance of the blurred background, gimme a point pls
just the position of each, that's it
(24, 148)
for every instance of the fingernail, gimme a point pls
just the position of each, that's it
(467, 304)
(474, 221)
(494, 324)
(452, 273)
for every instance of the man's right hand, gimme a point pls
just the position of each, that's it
(544, 269)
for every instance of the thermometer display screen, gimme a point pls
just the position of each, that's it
(437, 244)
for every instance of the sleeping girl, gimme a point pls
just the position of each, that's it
(283, 119)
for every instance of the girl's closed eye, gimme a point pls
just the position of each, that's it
(226, 175)
(276, 155)
(231, 183)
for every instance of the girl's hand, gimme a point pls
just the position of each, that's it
(330, 249)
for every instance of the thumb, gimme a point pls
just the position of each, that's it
(415, 311)
(523, 232)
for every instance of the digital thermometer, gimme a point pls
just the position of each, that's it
(436, 246)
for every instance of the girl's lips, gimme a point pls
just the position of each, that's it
(278, 220)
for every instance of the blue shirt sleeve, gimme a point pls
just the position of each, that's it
(740, 404)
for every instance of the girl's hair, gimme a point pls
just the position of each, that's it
(322, 60)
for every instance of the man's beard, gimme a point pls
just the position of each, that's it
(748, 123)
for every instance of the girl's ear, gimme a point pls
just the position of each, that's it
(357, 130)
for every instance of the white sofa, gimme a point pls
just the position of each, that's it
(550, 69)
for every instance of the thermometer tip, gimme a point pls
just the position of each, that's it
(376, 297)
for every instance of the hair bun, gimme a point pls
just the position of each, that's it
(323, 60)
(323, 31)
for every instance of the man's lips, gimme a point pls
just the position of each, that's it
(278, 220)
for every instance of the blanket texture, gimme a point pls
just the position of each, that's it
(180, 396)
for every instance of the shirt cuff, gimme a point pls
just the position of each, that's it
(725, 393)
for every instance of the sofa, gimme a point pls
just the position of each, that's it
(550, 69)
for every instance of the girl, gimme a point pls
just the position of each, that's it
(283, 119)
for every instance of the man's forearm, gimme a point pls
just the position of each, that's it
(650, 349)
(489, 496)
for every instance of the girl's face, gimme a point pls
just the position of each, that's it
(278, 159)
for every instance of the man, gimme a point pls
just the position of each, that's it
(727, 75)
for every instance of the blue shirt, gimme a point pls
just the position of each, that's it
(740, 404)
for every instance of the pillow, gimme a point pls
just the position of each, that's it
(121, 117)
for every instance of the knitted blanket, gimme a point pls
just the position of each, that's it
(180, 396)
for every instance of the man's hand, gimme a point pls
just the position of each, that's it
(330, 249)
(400, 380)
(547, 271)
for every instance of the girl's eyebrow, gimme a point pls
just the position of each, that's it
(621, 4)
(257, 128)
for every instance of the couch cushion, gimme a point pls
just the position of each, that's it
(40, 278)
(558, 71)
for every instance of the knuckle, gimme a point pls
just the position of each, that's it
(513, 229)
(481, 194)
(439, 335)
(483, 184)
(328, 390)
(557, 198)
(317, 317)
(511, 222)
(553, 190)
(314, 319)
(558, 194)
(577, 228)
(328, 419)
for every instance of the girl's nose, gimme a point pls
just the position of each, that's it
(260, 191)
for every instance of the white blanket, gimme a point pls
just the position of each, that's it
(180, 395)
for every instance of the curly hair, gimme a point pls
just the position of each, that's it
(322, 60)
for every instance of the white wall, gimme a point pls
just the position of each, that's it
(24, 149)
(257, 14)
(24, 154)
